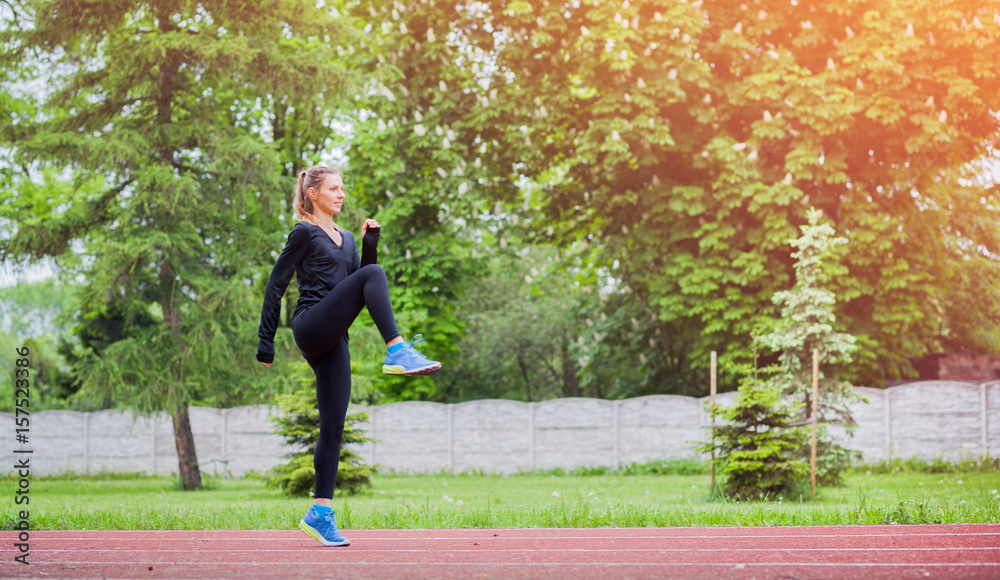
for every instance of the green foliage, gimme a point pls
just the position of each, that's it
(418, 171)
(936, 465)
(171, 182)
(38, 315)
(808, 323)
(833, 460)
(672, 466)
(154, 165)
(299, 426)
(688, 141)
(521, 321)
(668, 148)
(757, 449)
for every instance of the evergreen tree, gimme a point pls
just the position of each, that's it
(808, 323)
(299, 425)
(756, 447)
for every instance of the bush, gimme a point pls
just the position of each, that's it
(299, 425)
(757, 450)
(832, 459)
(936, 465)
(672, 466)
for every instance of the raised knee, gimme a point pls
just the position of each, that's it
(373, 270)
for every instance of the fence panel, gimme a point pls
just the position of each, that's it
(934, 419)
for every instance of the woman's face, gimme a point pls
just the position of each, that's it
(329, 198)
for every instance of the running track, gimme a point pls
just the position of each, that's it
(853, 552)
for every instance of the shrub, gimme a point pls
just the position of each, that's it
(758, 451)
(299, 425)
(832, 459)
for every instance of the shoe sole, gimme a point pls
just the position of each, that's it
(400, 371)
(311, 531)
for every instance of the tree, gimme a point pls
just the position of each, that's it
(688, 140)
(808, 324)
(413, 162)
(158, 147)
(521, 324)
(36, 315)
(299, 425)
(756, 446)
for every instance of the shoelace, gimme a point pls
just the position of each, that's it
(330, 519)
(415, 340)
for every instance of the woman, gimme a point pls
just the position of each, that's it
(334, 285)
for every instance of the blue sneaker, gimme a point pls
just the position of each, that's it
(323, 528)
(408, 361)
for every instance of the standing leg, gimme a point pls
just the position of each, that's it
(333, 395)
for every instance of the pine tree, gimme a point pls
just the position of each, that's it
(756, 447)
(808, 322)
(299, 425)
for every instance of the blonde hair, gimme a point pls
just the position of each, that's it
(312, 177)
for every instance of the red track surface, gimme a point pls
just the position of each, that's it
(855, 552)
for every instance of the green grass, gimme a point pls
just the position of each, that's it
(527, 500)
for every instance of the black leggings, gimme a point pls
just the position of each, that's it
(321, 335)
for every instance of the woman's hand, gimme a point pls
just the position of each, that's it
(369, 223)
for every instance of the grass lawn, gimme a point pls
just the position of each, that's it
(536, 500)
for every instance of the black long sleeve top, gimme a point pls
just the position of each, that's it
(319, 265)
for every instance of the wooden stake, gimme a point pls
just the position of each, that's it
(711, 465)
(815, 420)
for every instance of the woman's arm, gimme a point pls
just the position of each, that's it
(369, 242)
(295, 250)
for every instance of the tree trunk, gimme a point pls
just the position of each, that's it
(570, 378)
(187, 459)
(524, 373)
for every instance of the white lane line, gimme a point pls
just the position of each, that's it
(509, 564)
(510, 550)
(97, 536)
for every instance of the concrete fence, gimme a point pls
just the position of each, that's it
(934, 419)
